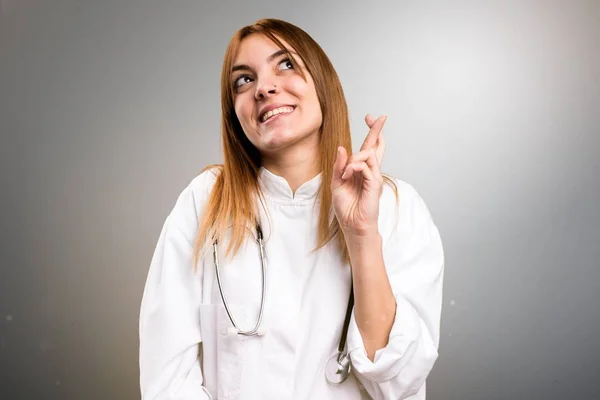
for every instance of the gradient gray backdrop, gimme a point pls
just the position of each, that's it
(109, 108)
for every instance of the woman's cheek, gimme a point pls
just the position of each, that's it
(297, 86)
(243, 114)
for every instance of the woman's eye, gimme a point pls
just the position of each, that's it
(242, 80)
(286, 64)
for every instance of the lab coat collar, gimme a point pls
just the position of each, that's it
(278, 189)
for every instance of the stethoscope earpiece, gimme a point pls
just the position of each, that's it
(232, 331)
(261, 331)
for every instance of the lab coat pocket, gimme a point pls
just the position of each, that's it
(223, 352)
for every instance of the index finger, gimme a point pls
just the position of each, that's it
(372, 136)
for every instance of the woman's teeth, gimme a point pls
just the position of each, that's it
(277, 111)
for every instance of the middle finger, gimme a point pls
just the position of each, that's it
(372, 136)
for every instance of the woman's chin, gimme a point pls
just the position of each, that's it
(278, 140)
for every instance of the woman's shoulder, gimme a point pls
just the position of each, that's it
(191, 201)
(202, 184)
(396, 191)
(400, 201)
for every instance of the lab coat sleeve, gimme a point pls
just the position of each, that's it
(414, 260)
(169, 324)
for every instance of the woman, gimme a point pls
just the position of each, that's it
(344, 248)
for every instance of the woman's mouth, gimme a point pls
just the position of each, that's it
(275, 113)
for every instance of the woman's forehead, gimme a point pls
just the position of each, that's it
(257, 48)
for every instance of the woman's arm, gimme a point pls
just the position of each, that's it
(357, 185)
(414, 265)
(169, 324)
(374, 302)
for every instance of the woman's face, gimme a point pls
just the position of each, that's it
(276, 107)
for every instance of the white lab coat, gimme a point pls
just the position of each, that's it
(185, 352)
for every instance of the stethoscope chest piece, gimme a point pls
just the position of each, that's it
(337, 368)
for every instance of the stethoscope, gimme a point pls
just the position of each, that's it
(337, 368)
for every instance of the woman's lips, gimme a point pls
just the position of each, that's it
(278, 116)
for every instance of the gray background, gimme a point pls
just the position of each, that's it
(109, 108)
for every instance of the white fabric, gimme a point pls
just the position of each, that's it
(185, 352)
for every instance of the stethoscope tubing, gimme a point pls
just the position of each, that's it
(253, 332)
(342, 361)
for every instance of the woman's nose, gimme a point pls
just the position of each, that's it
(265, 90)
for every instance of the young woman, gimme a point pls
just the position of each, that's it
(295, 270)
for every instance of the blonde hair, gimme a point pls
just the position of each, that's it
(232, 201)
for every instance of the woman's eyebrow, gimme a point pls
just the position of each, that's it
(269, 59)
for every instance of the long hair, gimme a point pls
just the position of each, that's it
(233, 199)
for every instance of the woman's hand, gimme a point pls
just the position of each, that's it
(357, 183)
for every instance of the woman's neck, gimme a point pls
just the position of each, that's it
(295, 167)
